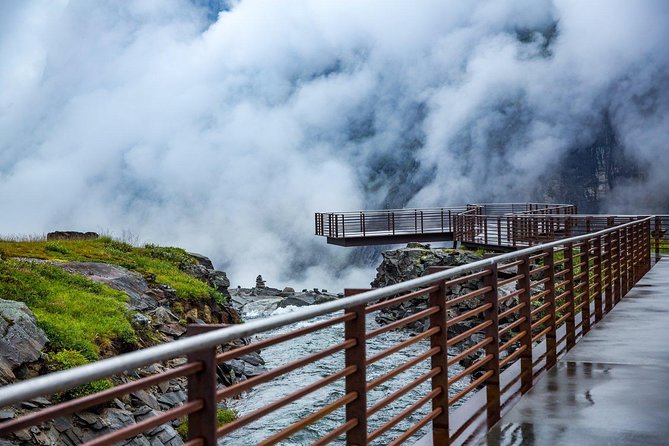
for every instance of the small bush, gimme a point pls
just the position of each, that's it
(56, 247)
(223, 416)
(67, 359)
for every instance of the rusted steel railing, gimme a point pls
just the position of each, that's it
(523, 310)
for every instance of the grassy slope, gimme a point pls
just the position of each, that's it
(76, 313)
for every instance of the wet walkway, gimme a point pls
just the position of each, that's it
(612, 388)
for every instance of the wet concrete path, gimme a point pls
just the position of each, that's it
(612, 388)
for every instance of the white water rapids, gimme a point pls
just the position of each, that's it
(284, 353)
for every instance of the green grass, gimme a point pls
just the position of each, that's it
(156, 264)
(67, 359)
(74, 312)
(223, 416)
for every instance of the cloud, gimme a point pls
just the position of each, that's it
(223, 126)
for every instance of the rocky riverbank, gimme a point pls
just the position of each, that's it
(157, 316)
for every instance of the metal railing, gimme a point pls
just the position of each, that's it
(385, 222)
(523, 310)
(392, 222)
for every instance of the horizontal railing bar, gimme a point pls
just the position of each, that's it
(416, 427)
(399, 299)
(401, 322)
(67, 379)
(87, 401)
(402, 415)
(541, 334)
(266, 409)
(452, 360)
(237, 352)
(467, 278)
(509, 265)
(146, 424)
(455, 339)
(540, 308)
(511, 295)
(464, 297)
(513, 355)
(512, 341)
(336, 433)
(540, 295)
(271, 374)
(470, 295)
(402, 368)
(404, 344)
(563, 318)
(469, 388)
(511, 310)
(398, 393)
(299, 425)
(511, 326)
(467, 314)
(541, 321)
(476, 365)
(515, 278)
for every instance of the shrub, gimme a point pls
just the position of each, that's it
(223, 416)
(56, 247)
(67, 359)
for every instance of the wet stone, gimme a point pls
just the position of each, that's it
(172, 399)
(146, 398)
(7, 414)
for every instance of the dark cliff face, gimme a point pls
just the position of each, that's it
(587, 175)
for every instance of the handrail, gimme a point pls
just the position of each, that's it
(621, 255)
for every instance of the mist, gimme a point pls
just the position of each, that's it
(222, 126)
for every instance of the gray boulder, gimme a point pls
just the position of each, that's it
(116, 277)
(21, 340)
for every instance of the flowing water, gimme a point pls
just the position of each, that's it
(284, 353)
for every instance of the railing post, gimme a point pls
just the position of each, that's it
(202, 386)
(440, 424)
(622, 263)
(357, 381)
(610, 271)
(525, 312)
(569, 277)
(597, 268)
(658, 234)
(549, 286)
(492, 348)
(343, 227)
(585, 299)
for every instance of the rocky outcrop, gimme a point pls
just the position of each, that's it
(21, 340)
(71, 235)
(114, 276)
(413, 261)
(157, 310)
(160, 300)
(262, 300)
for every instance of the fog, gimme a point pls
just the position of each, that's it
(221, 127)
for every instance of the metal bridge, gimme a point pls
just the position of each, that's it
(528, 308)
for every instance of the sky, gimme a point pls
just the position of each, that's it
(222, 126)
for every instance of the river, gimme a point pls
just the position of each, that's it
(283, 353)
